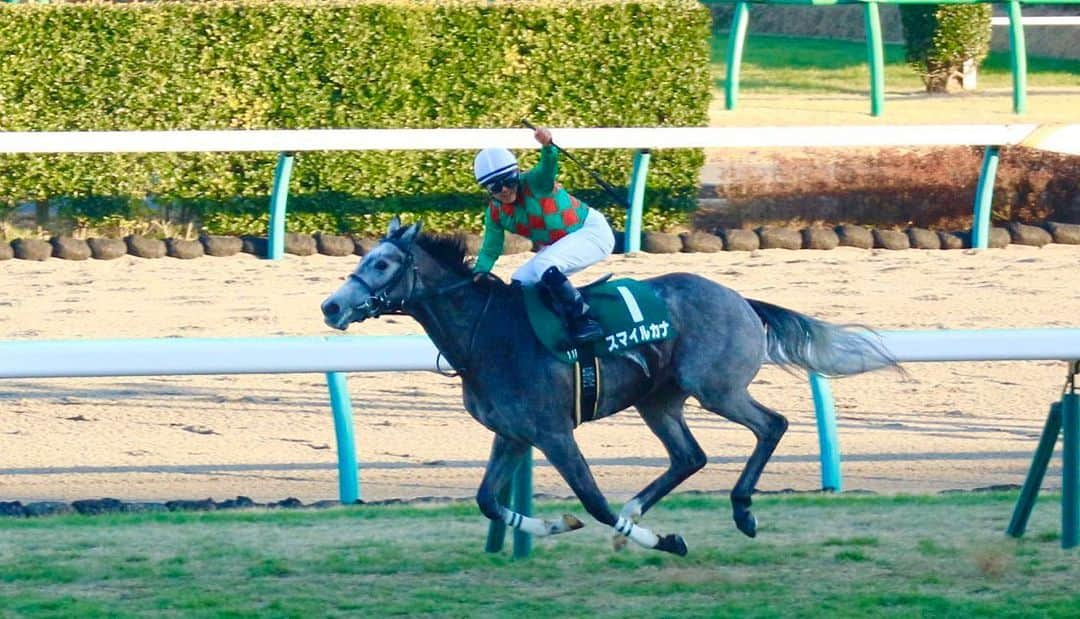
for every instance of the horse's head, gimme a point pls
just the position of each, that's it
(381, 283)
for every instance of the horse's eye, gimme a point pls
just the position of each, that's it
(381, 265)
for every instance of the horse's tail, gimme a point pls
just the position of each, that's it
(831, 350)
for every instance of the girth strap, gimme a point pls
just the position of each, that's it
(586, 385)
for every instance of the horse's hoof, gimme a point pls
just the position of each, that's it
(618, 542)
(672, 543)
(571, 523)
(747, 523)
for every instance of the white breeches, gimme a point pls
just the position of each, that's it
(574, 252)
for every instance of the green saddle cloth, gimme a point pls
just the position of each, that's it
(628, 310)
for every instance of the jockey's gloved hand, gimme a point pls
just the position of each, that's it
(487, 279)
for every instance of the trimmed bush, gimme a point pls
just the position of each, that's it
(322, 64)
(941, 38)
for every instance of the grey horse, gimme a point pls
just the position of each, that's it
(517, 389)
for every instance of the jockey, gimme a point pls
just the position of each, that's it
(572, 236)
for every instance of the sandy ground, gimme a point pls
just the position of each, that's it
(963, 425)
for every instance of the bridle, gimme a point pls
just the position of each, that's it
(379, 303)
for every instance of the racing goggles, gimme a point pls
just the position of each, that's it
(506, 181)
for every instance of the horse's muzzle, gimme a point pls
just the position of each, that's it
(338, 316)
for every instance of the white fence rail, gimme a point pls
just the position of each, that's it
(473, 139)
(288, 355)
(1048, 20)
(182, 356)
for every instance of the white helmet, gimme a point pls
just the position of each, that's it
(492, 163)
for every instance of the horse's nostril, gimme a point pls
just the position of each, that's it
(331, 309)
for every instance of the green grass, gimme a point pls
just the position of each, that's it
(774, 64)
(836, 556)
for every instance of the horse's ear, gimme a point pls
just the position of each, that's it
(395, 224)
(411, 232)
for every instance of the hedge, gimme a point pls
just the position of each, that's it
(326, 64)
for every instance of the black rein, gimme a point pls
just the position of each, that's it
(381, 304)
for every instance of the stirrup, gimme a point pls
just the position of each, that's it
(588, 331)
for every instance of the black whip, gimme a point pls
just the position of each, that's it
(612, 193)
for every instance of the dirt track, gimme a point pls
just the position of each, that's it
(269, 437)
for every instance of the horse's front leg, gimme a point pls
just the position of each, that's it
(563, 453)
(505, 457)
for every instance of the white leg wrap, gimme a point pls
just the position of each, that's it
(639, 534)
(532, 526)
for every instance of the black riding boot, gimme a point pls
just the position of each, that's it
(569, 303)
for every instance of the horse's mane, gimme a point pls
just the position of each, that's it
(449, 251)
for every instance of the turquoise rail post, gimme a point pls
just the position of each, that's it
(521, 487)
(1018, 55)
(497, 528)
(736, 41)
(876, 57)
(984, 195)
(1070, 471)
(279, 196)
(828, 443)
(1064, 419)
(632, 242)
(523, 502)
(1029, 493)
(348, 469)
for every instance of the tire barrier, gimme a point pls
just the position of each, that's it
(766, 237)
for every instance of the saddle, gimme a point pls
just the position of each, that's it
(628, 310)
(631, 316)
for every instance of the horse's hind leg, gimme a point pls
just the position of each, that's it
(663, 414)
(768, 427)
(505, 457)
(564, 455)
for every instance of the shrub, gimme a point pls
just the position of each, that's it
(941, 39)
(251, 64)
